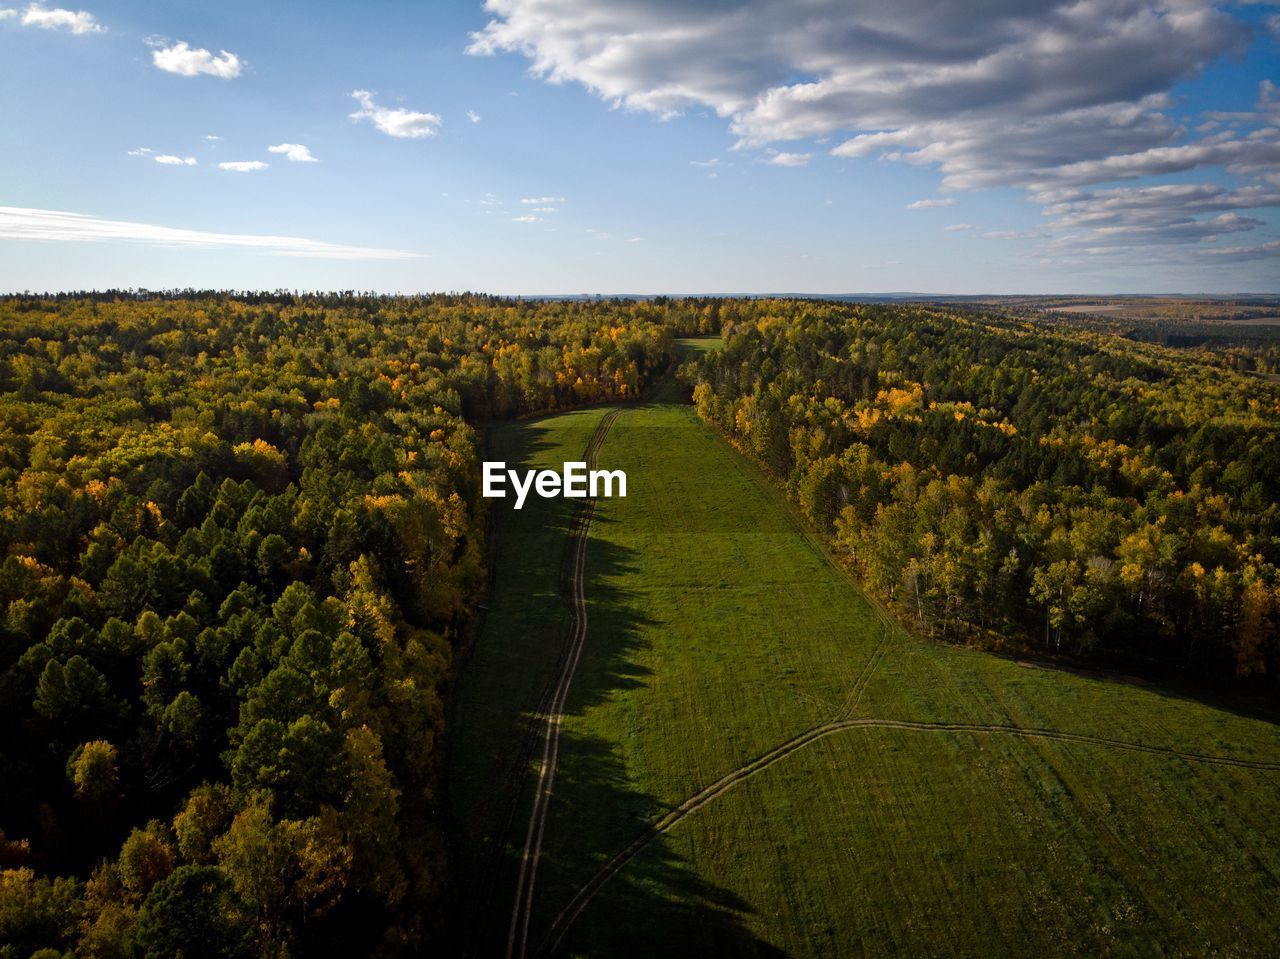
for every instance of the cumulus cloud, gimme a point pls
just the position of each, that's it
(294, 152)
(8, 14)
(473, 116)
(525, 219)
(19, 223)
(397, 122)
(242, 166)
(187, 61)
(958, 227)
(1052, 96)
(535, 200)
(861, 65)
(168, 159)
(76, 21)
(931, 204)
(140, 152)
(791, 159)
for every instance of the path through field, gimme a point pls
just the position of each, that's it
(518, 935)
(740, 755)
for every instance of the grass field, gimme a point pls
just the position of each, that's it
(1055, 814)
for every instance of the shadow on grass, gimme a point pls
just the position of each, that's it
(658, 904)
(1158, 679)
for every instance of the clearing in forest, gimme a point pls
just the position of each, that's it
(682, 731)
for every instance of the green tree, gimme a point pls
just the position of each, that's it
(193, 914)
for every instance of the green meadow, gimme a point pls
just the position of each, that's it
(950, 802)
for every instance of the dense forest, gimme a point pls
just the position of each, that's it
(1002, 481)
(239, 539)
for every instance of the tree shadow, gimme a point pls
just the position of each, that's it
(1159, 680)
(657, 903)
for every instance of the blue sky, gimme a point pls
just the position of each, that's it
(665, 146)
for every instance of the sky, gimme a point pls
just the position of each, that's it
(642, 146)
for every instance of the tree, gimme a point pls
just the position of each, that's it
(193, 914)
(94, 772)
(75, 695)
(205, 816)
(146, 857)
(36, 912)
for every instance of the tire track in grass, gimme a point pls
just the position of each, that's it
(564, 920)
(517, 768)
(552, 711)
(841, 721)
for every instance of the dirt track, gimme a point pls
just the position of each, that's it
(552, 710)
(841, 723)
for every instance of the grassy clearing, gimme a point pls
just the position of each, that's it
(718, 630)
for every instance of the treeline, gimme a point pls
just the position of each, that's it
(237, 540)
(1003, 481)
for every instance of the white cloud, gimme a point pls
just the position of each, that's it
(1051, 96)
(473, 116)
(636, 239)
(931, 204)
(168, 159)
(140, 152)
(791, 159)
(295, 152)
(187, 61)
(242, 166)
(8, 14)
(526, 219)
(958, 227)
(713, 162)
(861, 65)
(544, 209)
(398, 122)
(212, 137)
(18, 223)
(1243, 253)
(532, 200)
(1154, 204)
(77, 21)
(1251, 154)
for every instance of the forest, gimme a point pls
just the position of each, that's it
(242, 540)
(1006, 482)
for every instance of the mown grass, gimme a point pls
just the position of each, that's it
(719, 629)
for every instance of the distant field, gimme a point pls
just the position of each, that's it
(1258, 321)
(938, 801)
(1090, 308)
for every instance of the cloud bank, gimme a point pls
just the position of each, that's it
(1052, 96)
